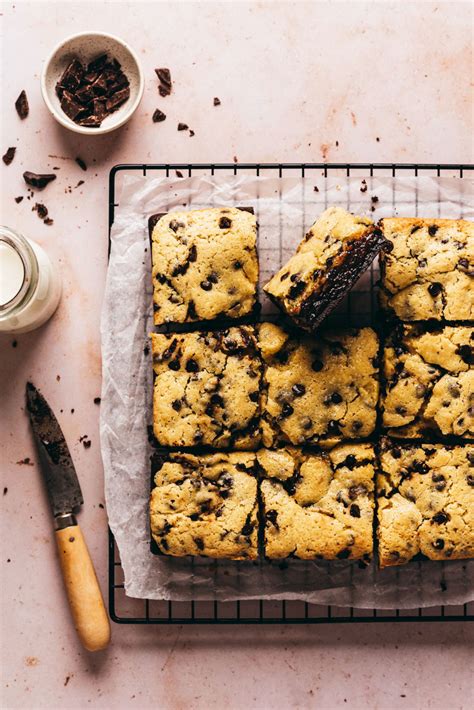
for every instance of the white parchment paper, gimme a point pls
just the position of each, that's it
(285, 208)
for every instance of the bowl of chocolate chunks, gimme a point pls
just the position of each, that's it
(92, 83)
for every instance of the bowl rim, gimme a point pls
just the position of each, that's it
(85, 130)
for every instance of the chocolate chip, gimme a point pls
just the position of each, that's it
(334, 427)
(440, 518)
(177, 404)
(81, 163)
(317, 365)
(21, 105)
(420, 467)
(336, 398)
(158, 116)
(454, 390)
(297, 289)
(174, 365)
(357, 490)
(9, 155)
(248, 526)
(357, 426)
(237, 265)
(432, 229)
(216, 101)
(217, 400)
(205, 285)
(470, 479)
(306, 423)
(213, 278)
(182, 127)
(38, 180)
(287, 410)
(298, 390)
(343, 554)
(192, 256)
(254, 396)
(435, 289)
(400, 409)
(225, 223)
(354, 510)
(199, 543)
(192, 366)
(438, 544)
(420, 391)
(272, 516)
(466, 353)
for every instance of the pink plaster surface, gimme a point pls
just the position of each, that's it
(298, 81)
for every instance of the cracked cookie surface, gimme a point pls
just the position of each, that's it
(425, 502)
(204, 265)
(318, 388)
(206, 505)
(337, 249)
(429, 382)
(318, 505)
(429, 272)
(207, 388)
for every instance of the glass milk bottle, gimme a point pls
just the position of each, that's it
(30, 287)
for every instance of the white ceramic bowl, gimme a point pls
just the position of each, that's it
(86, 46)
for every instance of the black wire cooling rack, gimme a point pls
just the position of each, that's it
(126, 610)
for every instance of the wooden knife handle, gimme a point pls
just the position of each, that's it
(83, 591)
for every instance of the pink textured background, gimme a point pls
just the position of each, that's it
(298, 81)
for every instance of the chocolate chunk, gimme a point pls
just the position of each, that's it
(298, 390)
(98, 63)
(432, 229)
(164, 76)
(158, 116)
(81, 163)
(70, 106)
(225, 223)
(9, 155)
(164, 90)
(21, 105)
(466, 353)
(333, 427)
(192, 366)
(287, 410)
(71, 77)
(440, 518)
(438, 544)
(37, 179)
(435, 289)
(396, 453)
(174, 365)
(350, 461)
(354, 510)
(182, 127)
(336, 398)
(41, 209)
(317, 365)
(343, 554)
(90, 121)
(117, 99)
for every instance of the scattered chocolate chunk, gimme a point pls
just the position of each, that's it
(19, 199)
(164, 77)
(81, 163)
(48, 221)
(158, 116)
(38, 180)
(182, 127)
(9, 155)
(217, 102)
(41, 209)
(191, 133)
(21, 105)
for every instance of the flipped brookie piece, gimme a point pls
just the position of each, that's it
(65, 496)
(338, 248)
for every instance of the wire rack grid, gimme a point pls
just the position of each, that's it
(126, 610)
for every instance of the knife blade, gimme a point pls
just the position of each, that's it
(57, 467)
(65, 497)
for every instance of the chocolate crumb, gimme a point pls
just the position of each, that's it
(316, 188)
(179, 174)
(14, 343)
(19, 199)
(363, 187)
(191, 133)
(81, 163)
(182, 127)
(21, 105)
(377, 139)
(101, 505)
(81, 182)
(97, 400)
(5, 491)
(9, 155)
(25, 462)
(158, 116)
(374, 199)
(68, 678)
(41, 210)
(37, 179)
(217, 102)
(48, 221)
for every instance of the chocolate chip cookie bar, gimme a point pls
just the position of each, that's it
(207, 388)
(206, 505)
(425, 502)
(204, 265)
(429, 376)
(338, 248)
(429, 272)
(318, 505)
(318, 388)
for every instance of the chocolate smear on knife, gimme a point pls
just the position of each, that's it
(9, 155)
(21, 105)
(38, 180)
